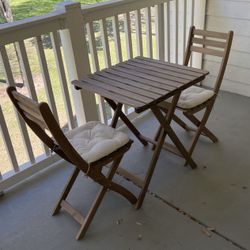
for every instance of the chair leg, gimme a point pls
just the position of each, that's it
(160, 129)
(123, 192)
(98, 200)
(199, 131)
(116, 115)
(66, 190)
(91, 213)
(157, 135)
(177, 120)
(205, 131)
(125, 119)
(181, 123)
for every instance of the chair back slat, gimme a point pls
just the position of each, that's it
(210, 43)
(213, 34)
(29, 109)
(35, 120)
(212, 52)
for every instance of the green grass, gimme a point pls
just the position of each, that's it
(27, 8)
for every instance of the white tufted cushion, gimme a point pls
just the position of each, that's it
(194, 96)
(95, 140)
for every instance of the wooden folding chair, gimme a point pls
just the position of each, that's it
(195, 99)
(89, 148)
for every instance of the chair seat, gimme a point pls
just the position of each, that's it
(95, 140)
(194, 96)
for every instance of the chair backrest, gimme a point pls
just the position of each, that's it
(210, 43)
(40, 119)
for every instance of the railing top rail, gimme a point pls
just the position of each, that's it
(115, 7)
(30, 27)
(31, 21)
(33, 26)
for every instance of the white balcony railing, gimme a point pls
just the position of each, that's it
(82, 39)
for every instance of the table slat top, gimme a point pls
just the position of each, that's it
(141, 82)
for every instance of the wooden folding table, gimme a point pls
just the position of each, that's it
(143, 83)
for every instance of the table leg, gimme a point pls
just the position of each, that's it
(116, 115)
(173, 136)
(151, 169)
(160, 142)
(119, 113)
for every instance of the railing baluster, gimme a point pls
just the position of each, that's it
(7, 69)
(176, 30)
(117, 38)
(92, 46)
(148, 32)
(22, 125)
(102, 110)
(96, 67)
(192, 23)
(129, 49)
(127, 26)
(138, 31)
(159, 28)
(118, 49)
(29, 83)
(184, 27)
(167, 31)
(107, 59)
(105, 43)
(192, 13)
(46, 76)
(63, 80)
(7, 142)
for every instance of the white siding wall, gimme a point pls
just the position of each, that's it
(225, 15)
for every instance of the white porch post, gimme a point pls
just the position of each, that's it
(199, 23)
(76, 59)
